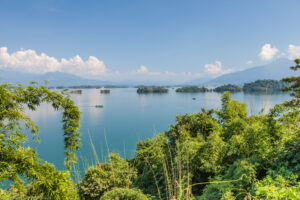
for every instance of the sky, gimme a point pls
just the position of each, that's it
(146, 39)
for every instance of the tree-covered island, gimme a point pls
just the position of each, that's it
(264, 86)
(192, 89)
(228, 88)
(147, 90)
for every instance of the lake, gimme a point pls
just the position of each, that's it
(126, 118)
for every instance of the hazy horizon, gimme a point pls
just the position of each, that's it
(146, 41)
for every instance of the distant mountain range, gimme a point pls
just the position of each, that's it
(55, 78)
(276, 71)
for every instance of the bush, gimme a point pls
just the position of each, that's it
(105, 176)
(53, 184)
(124, 194)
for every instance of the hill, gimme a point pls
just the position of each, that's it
(55, 78)
(275, 71)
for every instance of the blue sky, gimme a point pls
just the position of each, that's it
(155, 39)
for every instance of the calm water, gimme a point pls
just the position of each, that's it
(126, 118)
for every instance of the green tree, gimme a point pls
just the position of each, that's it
(105, 176)
(19, 160)
(124, 194)
(294, 85)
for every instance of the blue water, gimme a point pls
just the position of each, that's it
(126, 118)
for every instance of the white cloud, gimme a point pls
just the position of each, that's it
(142, 70)
(249, 62)
(267, 52)
(293, 51)
(29, 61)
(216, 69)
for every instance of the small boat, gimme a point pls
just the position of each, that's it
(194, 98)
(99, 106)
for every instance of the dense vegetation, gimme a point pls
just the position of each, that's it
(192, 89)
(151, 90)
(214, 154)
(264, 86)
(229, 88)
(294, 85)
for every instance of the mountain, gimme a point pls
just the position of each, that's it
(55, 78)
(276, 71)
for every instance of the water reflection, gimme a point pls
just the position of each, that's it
(128, 117)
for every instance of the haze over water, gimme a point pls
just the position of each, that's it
(128, 117)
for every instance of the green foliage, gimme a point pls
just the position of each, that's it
(220, 154)
(44, 180)
(13, 117)
(150, 156)
(294, 85)
(52, 184)
(145, 90)
(124, 194)
(19, 163)
(278, 188)
(197, 124)
(105, 176)
(264, 86)
(228, 88)
(192, 89)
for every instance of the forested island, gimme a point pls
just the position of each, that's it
(257, 86)
(228, 87)
(214, 154)
(264, 86)
(146, 90)
(76, 91)
(105, 91)
(192, 89)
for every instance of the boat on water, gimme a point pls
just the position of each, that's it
(194, 98)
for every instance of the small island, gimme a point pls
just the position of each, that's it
(152, 90)
(264, 86)
(76, 92)
(105, 91)
(192, 89)
(229, 88)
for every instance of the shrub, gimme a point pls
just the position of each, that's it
(105, 176)
(124, 194)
